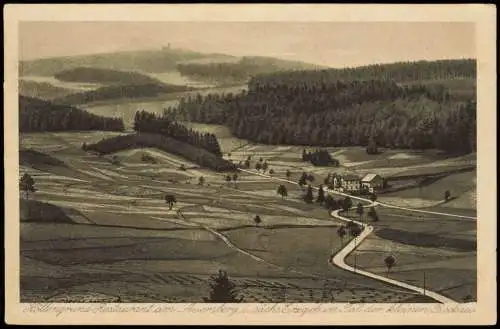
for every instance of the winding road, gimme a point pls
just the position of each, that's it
(376, 203)
(339, 258)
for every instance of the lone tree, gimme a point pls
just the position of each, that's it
(257, 220)
(341, 233)
(308, 198)
(247, 163)
(115, 161)
(222, 290)
(201, 180)
(346, 204)
(304, 155)
(329, 202)
(235, 178)
(27, 184)
(170, 200)
(372, 146)
(359, 209)
(258, 166)
(373, 214)
(321, 195)
(326, 181)
(303, 179)
(288, 174)
(84, 146)
(271, 171)
(447, 195)
(310, 178)
(389, 261)
(228, 179)
(355, 230)
(265, 166)
(282, 191)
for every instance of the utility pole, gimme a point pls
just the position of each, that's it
(355, 255)
(424, 283)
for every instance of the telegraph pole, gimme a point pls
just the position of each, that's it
(424, 283)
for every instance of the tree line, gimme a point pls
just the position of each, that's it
(130, 91)
(341, 113)
(39, 115)
(161, 124)
(398, 72)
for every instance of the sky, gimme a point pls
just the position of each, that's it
(335, 44)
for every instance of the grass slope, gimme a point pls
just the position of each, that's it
(36, 211)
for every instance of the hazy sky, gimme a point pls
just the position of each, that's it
(334, 44)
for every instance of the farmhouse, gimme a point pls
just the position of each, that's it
(350, 183)
(372, 182)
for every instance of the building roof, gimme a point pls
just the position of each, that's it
(369, 177)
(350, 177)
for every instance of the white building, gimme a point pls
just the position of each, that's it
(372, 182)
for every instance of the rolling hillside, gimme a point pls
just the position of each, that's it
(147, 61)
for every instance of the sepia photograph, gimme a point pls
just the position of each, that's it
(324, 162)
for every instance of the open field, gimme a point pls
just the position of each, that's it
(122, 242)
(439, 247)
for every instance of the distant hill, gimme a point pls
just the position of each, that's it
(104, 76)
(39, 115)
(401, 72)
(213, 67)
(240, 71)
(42, 90)
(152, 61)
(120, 92)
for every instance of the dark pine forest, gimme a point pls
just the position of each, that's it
(39, 115)
(151, 123)
(402, 105)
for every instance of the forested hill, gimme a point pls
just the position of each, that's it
(39, 115)
(120, 92)
(240, 71)
(104, 76)
(402, 72)
(333, 108)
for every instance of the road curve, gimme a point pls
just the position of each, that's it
(339, 260)
(362, 199)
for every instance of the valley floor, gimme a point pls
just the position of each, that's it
(119, 241)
